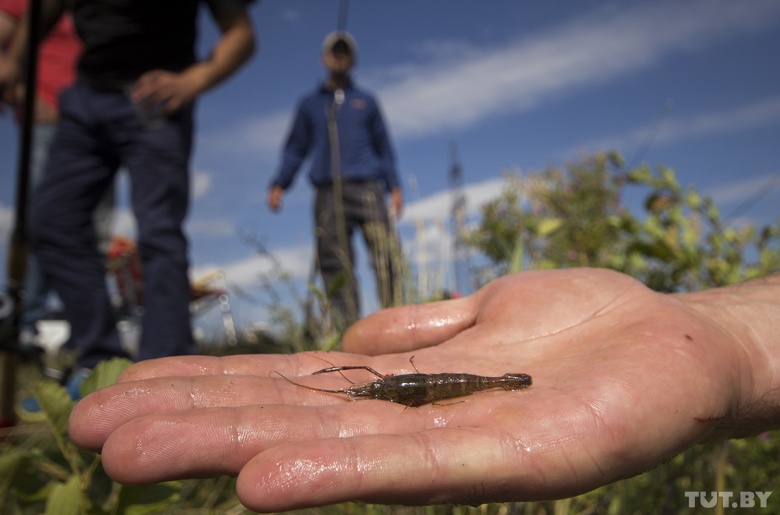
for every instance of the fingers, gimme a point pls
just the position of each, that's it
(159, 89)
(98, 415)
(410, 327)
(430, 467)
(437, 466)
(274, 199)
(259, 365)
(180, 385)
(190, 366)
(205, 442)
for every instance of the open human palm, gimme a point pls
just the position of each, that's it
(623, 378)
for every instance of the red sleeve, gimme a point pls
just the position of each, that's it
(13, 8)
(57, 60)
(57, 54)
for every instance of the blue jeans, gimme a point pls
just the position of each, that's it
(98, 132)
(36, 287)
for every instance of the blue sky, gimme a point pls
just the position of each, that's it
(516, 85)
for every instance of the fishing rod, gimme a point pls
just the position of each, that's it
(17, 258)
(338, 99)
(341, 24)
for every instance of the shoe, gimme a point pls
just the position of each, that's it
(30, 405)
(72, 386)
(29, 347)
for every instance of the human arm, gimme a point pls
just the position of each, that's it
(7, 28)
(623, 379)
(13, 42)
(174, 90)
(296, 147)
(384, 152)
(275, 196)
(397, 202)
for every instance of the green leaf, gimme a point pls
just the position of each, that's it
(640, 175)
(516, 261)
(694, 199)
(140, 500)
(338, 282)
(11, 460)
(105, 374)
(547, 226)
(55, 403)
(66, 499)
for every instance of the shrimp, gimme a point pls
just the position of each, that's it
(417, 389)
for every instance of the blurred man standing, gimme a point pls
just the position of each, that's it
(132, 106)
(353, 165)
(57, 56)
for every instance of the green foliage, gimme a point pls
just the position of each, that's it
(47, 473)
(574, 217)
(553, 219)
(683, 245)
(556, 218)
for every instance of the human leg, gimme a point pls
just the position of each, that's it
(157, 160)
(336, 260)
(369, 209)
(78, 172)
(36, 287)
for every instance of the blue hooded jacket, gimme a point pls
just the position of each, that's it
(365, 152)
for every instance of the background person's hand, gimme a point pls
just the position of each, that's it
(397, 203)
(624, 378)
(169, 90)
(274, 199)
(10, 87)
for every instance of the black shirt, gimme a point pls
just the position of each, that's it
(125, 38)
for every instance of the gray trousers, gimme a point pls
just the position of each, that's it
(362, 205)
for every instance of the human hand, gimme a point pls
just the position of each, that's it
(168, 90)
(275, 196)
(624, 378)
(9, 82)
(397, 202)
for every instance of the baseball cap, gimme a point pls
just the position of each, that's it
(340, 37)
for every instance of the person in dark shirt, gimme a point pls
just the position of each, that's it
(132, 106)
(56, 70)
(352, 165)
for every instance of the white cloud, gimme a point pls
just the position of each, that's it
(6, 219)
(123, 223)
(296, 261)
(439, 205)
(211, 227)
(263, 135)
(291, 15)
(444, 92)
(741, 190)
(200, 184)
(674, 129)
(596, 49)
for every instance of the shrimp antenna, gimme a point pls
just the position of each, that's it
(332, 366)
(307, 387)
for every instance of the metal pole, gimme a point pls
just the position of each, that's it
(341, 25)
(17, 259)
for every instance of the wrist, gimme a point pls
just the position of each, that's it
(748, 314)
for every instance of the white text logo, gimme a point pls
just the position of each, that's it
(727, 499)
